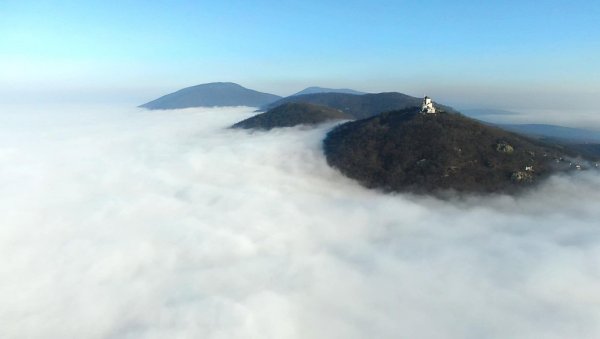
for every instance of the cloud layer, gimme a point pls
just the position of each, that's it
(129, 224)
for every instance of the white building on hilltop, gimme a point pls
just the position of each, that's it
(427, 105)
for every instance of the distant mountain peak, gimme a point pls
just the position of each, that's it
(211, 95)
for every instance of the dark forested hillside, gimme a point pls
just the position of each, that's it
(358, 106)
(292, 114)
(409, 151)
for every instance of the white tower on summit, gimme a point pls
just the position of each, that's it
(427, 105)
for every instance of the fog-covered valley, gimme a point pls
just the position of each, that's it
(123, 223)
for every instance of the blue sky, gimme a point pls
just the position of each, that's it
(465, 52)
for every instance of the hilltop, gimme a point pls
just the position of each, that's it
(405, 150)
(292, 114)
(210, 95)
(315, 90)
(357, 106)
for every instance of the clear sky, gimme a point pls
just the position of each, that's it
(471, 53)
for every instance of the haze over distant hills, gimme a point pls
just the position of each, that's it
(316, 89)
(354, 105)
(212, 94)
(538, 131)
(228, 94)
(558, 132)
(481, 112)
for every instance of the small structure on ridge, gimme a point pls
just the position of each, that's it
(427, 106)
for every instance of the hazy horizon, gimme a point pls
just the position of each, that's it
(507, 55)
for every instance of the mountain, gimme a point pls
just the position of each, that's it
(408, 151)
(212, 94)
(315, 89)
(357, 106)
(292, 114)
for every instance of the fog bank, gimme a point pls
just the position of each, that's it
(121, 223)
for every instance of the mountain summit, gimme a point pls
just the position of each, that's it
(210, 95)
(408, 150)
(315, 89)
(357, 106)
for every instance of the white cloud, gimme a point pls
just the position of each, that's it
(118, 224)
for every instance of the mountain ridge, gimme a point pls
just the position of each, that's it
(357, 106)
(292, 114)
(317, 89)
(407, 151)
(211, 95)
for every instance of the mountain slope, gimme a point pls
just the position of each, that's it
(357, 106)
(408, 151)
(292, 114)
(315, 90)
(212, 94)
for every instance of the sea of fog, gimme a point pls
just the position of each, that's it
(122, 223)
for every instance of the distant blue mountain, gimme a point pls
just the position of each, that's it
(570, 134)
(545, 131)
(479, 112)
(210, 95)
(315, 89)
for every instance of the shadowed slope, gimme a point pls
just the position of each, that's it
(292, 114)
(408, 151)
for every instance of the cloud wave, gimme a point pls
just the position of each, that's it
(129, 224)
